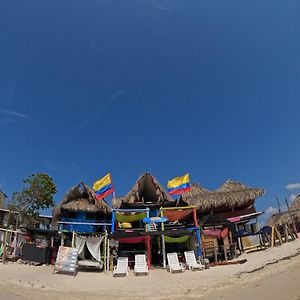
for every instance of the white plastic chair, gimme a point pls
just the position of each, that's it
(140, 264)
(190, 260)
(121, 269)
(173, 262)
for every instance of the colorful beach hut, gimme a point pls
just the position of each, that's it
(84, 222)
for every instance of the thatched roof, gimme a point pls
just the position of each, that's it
(231, 194)
(296, 203)
(81, 198)
(146, 190)
(287, 217)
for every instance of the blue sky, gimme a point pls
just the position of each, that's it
(206, 87)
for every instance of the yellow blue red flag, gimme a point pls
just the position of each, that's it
(103, 187)
(179, 185)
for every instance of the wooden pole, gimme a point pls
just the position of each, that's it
(4, 246)
(105, 252)
(73, 239)
(62, 239)
(278, 204)
(108, 254)
(163, 242)
(286, 236)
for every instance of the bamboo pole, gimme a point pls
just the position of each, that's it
(273, 237)
(105, 252)
(108, 255)
(73, 239)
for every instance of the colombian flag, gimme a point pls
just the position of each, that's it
(179, 185)
(103, 187)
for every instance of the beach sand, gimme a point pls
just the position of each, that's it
(270, 274)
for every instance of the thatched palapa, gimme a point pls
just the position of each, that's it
(230, 195)
(147, 190)
(81, 198)
(287, 217)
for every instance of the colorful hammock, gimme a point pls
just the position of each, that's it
(174, 215)
(181, 239)
(128, 218)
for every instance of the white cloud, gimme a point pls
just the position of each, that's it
(108, 102)
(292, 198)
(269, 212)
(293, 186)
(12, 113)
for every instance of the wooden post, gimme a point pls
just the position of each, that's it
(148, 245)
(225, 252)
(278, 235)
(4, 246)
(163, 242)
(108, 255)
(73, 239)
(62, 239)
(286, 236)
(105, 252)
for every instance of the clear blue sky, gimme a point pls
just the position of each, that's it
(165, 86)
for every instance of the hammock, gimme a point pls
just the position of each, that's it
(133, 240)
(174, 215)
(218, 233)
(181, 239)
(130, 218)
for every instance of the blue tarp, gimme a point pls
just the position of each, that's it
(264, 230)
(81, 218)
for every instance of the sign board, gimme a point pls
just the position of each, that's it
(66, 260)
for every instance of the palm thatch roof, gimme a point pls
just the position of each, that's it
(146, 190)
(230, 195)
(81, 198)
(287, 216)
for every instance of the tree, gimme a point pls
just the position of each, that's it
(38, 194)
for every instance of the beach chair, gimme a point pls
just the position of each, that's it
(140, 265)
(190, 260)
(173, 262)
(121, 269)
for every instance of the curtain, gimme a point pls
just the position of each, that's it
(79, 243)
(94, 246)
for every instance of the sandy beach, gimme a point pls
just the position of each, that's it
(270, 274)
